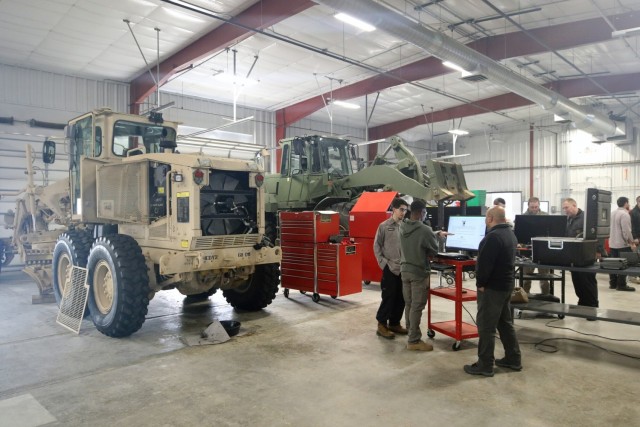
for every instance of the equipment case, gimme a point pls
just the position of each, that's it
(571, 251)
(614, 263)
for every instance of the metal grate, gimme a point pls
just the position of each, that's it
(74, 300)
(221, 242)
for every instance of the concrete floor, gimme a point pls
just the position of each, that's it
(299, 363)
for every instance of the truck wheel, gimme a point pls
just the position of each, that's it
(258, 292)
(118, 285)
(72, 248)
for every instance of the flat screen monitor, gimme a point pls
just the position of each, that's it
(449, 211)
(513, 201)
(467, 232)
(544, 206)
(528, 226)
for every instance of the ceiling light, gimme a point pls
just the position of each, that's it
(453, 66)
(457, 67)
(344, 104)
(459, 132)
(234, 80)
(354, 21)
(629, 32)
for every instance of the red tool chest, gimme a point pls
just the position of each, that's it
(369, 211)
(310, 263)
(314, 227)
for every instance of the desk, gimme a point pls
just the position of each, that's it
(562, 309)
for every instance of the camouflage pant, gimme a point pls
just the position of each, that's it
(544, 284)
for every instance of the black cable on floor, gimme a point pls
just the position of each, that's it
(549, 348)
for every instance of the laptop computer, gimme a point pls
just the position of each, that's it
(633, 258)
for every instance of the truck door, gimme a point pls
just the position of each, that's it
(80, 145)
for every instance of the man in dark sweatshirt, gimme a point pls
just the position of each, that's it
(417, 243)
(495, 282)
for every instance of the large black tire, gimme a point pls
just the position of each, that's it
(72, 248)
(258, 292)
(119, 285)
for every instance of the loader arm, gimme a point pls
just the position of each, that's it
(378, 176)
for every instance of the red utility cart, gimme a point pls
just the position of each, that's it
(456, 329)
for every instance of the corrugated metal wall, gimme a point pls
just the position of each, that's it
(565, 164)
(30, 94)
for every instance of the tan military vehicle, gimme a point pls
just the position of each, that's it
(142, 218)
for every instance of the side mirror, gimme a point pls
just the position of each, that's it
(49, 151)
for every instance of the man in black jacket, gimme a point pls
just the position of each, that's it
(495, 282)
(585, 284)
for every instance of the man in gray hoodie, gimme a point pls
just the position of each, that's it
(418, 242)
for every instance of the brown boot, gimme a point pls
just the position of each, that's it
(419, 346)
(398, 329)
(384, 332)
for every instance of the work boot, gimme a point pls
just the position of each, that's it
(475, 369)
(504, 363)
(398, 329)
(419, 346)
(384, 332)
(626, 288)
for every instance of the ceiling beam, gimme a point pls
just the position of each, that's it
(259, 16)
(569, 88)
(511, 45)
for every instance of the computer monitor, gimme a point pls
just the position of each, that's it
(528, 226)
(467, 232)
(544, 206)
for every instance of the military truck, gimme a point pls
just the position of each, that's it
(142, 217)
(319, 172)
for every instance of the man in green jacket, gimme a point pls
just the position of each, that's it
(417, 243)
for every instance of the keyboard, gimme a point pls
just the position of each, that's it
(453, 255)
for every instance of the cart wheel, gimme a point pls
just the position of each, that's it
(560, 316)
(472, 275)
(367, 282)
(334, 296)
(456, 346)
(303, 292)
(449, 281)
(431, 333)
(286, 292)
(315, 297)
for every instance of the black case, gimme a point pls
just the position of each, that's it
(571, 251)
(614, 263)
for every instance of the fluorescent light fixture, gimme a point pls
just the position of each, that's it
(234, 80)
(629, 32)
(348, 19)
(459, 132)
(343, 104)
(454, 66)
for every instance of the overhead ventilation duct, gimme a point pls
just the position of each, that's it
(447, 49)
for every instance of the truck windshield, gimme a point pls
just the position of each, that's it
(139, 136)
(335, 157)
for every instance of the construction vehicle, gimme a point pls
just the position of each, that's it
(142, 217)
(319, 172)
